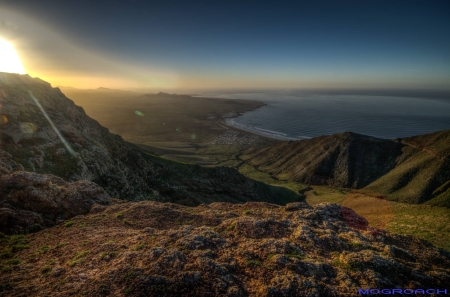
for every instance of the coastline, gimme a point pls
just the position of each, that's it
(229, 122)
(385, 117)
(273, 135)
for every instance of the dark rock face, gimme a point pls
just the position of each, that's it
(222, 249)
(88, 151)
(51, 171)
(29, 200)
(91, 153)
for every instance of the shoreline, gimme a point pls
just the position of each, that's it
(272, 135)
(268, 134)
(229, 122)
(402, 117)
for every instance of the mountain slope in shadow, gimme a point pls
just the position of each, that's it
(45, 133)
(414, 169)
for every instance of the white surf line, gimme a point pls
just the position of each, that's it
(270, 131)
(254, 130)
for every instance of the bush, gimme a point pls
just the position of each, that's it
(35, 228)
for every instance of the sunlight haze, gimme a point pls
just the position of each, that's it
(9, 60)
(157, 46)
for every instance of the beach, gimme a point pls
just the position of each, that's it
(295, 116)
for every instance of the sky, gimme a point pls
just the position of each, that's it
(181, 45)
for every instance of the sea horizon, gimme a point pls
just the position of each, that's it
(289, 115)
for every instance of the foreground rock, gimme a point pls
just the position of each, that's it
(222, 249)
(30, 202)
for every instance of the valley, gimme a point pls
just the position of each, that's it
(84, 212)
(256, 161)
(224, 148)
(424, 221)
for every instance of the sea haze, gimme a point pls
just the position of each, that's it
(290, 115)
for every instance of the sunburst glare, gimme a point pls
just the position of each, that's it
(9, 59)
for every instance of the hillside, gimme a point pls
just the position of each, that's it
(163, 119)
(413, 170)
(422, 173)
(177, 127)
(38, 154)
(222, 249)
(67, 234)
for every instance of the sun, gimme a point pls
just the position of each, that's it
(9, 59)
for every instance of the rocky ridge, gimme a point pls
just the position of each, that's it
(222, 249)
(121, 168)
(52, 153)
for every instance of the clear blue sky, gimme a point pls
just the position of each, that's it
(183, 44)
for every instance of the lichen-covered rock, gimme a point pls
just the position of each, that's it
(7, 164)
(162, 249)
(297, 205)
(29, 200)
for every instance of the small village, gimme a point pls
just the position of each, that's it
(233, 137)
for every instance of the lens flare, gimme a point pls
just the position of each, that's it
(3, 119)
(28, 128)
(141, 114)
(65, 143)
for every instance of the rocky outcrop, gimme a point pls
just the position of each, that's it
(252, 249)
(30, 202)
(43, 131)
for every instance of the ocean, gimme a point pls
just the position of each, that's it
(292, 116)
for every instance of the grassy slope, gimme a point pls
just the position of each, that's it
(417, 170)
(422, 174)
(424, 221)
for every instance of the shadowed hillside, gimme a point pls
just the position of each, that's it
(341, 160)
(413, 170)
(422, 173)
(44, 132)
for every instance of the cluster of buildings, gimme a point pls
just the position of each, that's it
(232, 137)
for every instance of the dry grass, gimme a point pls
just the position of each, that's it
(377, 211)
(427, 222)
